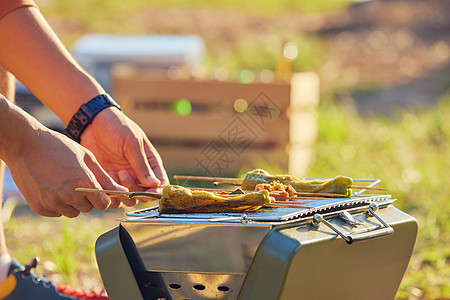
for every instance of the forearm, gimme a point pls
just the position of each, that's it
(16, 127)
(33, 53)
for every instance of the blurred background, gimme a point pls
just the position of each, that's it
(375, 76)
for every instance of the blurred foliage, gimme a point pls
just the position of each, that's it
(103, 9)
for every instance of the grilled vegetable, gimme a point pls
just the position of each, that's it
(177, 199)
(337, 185)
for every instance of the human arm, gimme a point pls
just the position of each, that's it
(34, 54)
(46, 166)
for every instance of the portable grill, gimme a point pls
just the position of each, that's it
(341, 248)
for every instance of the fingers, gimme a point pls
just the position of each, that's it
(139, 163)
(101, 180)
(83, 205)
(156, 164)
(115, 202)
(53, 207)
(129, 202)
(126, 179)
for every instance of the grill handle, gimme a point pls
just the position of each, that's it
(387, 230)
(370, 235)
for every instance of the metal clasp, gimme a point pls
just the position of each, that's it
(317, 219)
(371, 212)
(349, 219)
(387, 230)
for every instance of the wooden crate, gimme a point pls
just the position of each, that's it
(277, 130)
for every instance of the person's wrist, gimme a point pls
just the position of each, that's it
(86, 114)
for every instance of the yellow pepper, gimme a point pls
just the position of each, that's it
(178, 199)
(337, 185)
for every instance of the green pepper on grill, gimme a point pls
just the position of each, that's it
(178, 199)
(337, 185)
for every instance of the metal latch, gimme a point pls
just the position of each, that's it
(373, 207)
(349, 219)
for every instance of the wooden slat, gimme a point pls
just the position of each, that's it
(283, 139)
(190, 160)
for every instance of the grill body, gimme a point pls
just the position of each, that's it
(149, 257)
(296, 262)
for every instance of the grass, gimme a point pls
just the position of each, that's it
(410, 155)
(65, 246)
(106, 9)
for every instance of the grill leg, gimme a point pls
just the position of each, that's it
(119, 262)
(115, 270)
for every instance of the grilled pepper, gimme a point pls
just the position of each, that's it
(337, 185)
(178, 199)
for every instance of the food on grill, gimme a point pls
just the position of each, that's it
(276, 186)
(178, 199)
(337, 185)
(277, 190)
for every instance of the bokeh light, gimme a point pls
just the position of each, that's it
(182, 107)
(290, 51)
(246, 76)
(240, 105)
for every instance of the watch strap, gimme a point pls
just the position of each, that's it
(84, 116)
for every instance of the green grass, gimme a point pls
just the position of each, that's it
(65, 246)
(106, 9)
(410, 155)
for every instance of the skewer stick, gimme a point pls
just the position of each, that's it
(292, 202)
(227, 182)
(221, 180)
(321, 195)
(204, 178)
(209, 189)
(367, 188)
(307, 198)
(119, 193)
(286, 205)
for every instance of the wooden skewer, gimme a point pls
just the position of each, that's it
(321, 195)
(286, 205)
(292, 202)
(119, 193)
(204, 178)
(227, 182)
(367, 188)
(209, 189)
(238, 181)
(220, 180)
(307, 198)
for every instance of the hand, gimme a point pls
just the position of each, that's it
(125, 152)
(49, 169)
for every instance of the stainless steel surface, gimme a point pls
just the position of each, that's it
(272, 253)
(191, 247)
(203, 286)
(349, 219)
(296, 261)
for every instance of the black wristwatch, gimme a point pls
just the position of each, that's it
(84, 116)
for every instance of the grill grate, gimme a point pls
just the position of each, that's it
(279, 214)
